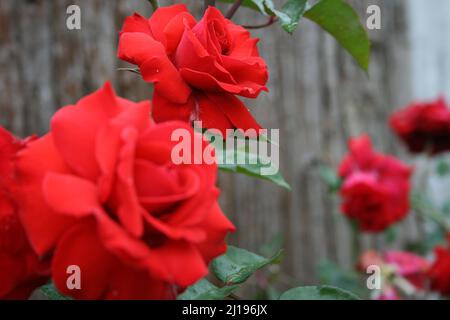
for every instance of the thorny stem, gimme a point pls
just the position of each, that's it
(271, 21)
(154, 4)
(130, 70)
(233, 9)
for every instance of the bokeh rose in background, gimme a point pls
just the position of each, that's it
(403, 274)
(423, 127)
(375, 187)
(439, 272)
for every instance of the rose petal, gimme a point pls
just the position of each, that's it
(166, 110)
(136, 23)
(124, 198)
(162, 17)
(166, 260)
(235, 111)
(150, 55)
(206, 81)
(138, 285)
(71, 195)
(217, 226)
(75, 129)
(212, 115)
(109, 142)
(174, 30)
(82, 247)
(44, 226)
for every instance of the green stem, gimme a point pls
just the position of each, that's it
(154, 4)
(426, 210)
(233, 9)
(270, 22)
(356, 248)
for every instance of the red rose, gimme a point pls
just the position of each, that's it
(424, 127)
(409, 266)
(388, 293)
(197, 68)
(395, 267)
(439, 272)
(20, 269)
(375, 187)
(101, 192)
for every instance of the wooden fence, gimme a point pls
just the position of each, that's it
(318, 99)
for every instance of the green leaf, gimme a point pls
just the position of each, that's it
(329, 273)
(390, 234)
(205, 290)
(294, 10)
(253, 165)
(443, 168)
(335, 16)
(423, 206)
(330, 177)
(340, 20)
(50, 291)
(446, 208)
(289, 15)
(430, 240)
(275, 244)
(254, 170)
(257, 5)
(318, 293)
(237, 265)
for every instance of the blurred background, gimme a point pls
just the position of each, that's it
(318, 99)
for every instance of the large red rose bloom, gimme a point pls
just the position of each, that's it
(197, 67)
(423, 127)
(101, 192)
(375, 189)
(21, 271)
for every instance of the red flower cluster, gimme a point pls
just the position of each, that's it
(424, 127)
(409, 266)
(375, 187)
(100, 192)
(396, 264)
(197, 67)
(439, 272)
(20, 269)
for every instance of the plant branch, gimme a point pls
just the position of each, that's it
(233, 9)
(233, 296)
(427, 210)
(134, 70)
(154, 4)
(208, 3)
(356, 247)
(271, 21)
